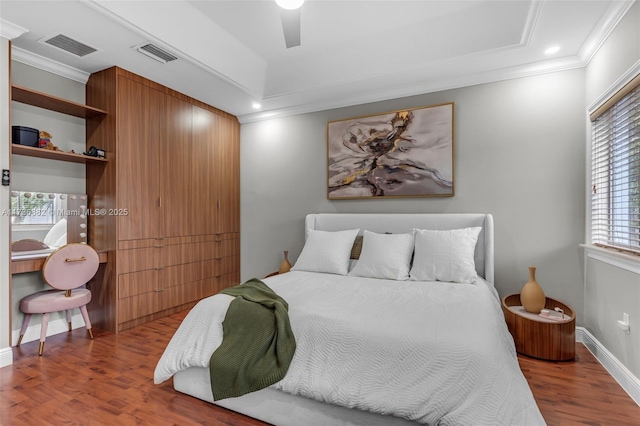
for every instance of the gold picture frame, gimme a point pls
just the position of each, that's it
(403, 153)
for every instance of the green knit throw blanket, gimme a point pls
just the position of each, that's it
(257, 342)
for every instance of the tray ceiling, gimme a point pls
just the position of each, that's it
(232, 54)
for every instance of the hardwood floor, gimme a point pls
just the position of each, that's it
(578, 392)
(109, 381)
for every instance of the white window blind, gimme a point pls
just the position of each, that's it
(615, 169)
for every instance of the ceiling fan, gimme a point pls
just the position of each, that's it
(290, 15)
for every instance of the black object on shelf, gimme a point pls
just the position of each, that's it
(95, 152)
(26, 136)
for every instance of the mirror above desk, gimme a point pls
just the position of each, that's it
(41, 222)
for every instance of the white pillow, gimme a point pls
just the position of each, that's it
(385, 256)
(62, 241)
(56, 233)
(445, 255)
(352, 264)
(327, 252)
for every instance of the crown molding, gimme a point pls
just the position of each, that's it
(558, 65)
(617, 85)
(10, 30)
(616, 13)
(603, 30)
(530, 24)
(46, 64)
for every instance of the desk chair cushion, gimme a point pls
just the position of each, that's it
(70, 266)
(54, 301)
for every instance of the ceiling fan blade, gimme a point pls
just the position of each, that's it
(291, 27)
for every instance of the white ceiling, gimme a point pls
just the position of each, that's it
(232, 53)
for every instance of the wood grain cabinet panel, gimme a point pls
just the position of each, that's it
(172, 276)
(140, 259)
(139, 115)
(228, 177)
(176, 150)
(151, 242)
(204, 183)
(226, 265)
(139, 306)
(135, 283)
(175, 172)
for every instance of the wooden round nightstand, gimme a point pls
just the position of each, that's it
(539, 337)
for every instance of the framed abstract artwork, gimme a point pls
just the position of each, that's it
(405, 153)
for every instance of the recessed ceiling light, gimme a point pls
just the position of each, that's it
(256, 105)
(552, 50)
(290, 4)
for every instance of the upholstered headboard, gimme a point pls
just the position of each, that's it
(402, 223)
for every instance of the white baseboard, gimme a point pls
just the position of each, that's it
(626, 379)
(6, 357)
(55, 327)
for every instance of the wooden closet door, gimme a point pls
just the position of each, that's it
(139, 116)
(203, 171)
(176, 147)
(228, 176)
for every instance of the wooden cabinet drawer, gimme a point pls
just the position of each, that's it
(171, 276)
(157, 279)
(218, 266)
(212, 249)
(139, 259)
(216, 237)
(228, 264)
(135, 283)
(228, 280)
(156, 256)
(158, 300)
(140, 305)
(160, 278)
(150, 242)
(214, 285)
(163, 255)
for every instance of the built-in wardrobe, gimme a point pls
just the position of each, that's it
(165, 207)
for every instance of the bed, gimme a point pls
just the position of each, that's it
(409, 332)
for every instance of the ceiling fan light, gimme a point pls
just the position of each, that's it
(290, 4)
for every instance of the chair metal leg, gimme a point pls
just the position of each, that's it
(43, 332)
(25, 324)
(87, 323)
(69, 318)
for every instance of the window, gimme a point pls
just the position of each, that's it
(615, 171)
(34, 208)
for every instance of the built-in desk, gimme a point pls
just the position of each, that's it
(34, 264)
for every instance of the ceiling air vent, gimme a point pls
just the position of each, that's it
(69, 45)
(155, 52)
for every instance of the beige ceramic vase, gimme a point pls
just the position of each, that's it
(285, 266)
(532, 297)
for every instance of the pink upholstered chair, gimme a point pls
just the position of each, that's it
(69, 267)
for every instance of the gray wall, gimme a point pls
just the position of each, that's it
(35, 174)
(68, 133)
(519, 155)
(609, 290)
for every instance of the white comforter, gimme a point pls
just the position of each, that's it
(431, 352)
